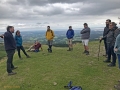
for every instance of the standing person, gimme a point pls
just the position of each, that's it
(70, 35)
(111, 38)
(18, 39)
(117, 49)
(85, 38)
(10, 47)
(105, 32)
(49, 36)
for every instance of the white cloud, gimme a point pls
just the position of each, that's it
(37, 14)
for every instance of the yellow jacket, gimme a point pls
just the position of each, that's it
(49, 35)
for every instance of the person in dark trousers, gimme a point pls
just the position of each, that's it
(111, 38)
(70, 35)
(105, 32)
(117, 49)
(49, 36)
(85, 37)
(10, 47)
(18, 39)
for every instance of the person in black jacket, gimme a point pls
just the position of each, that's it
(10, 47)
(106, 31)
(111, 38)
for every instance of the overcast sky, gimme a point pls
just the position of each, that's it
(59, 14)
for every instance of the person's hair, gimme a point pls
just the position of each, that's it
(8, 27)
(85, 24)
(113, 23)
(108, 20)
(48, 26)
(17, 32)
(70, 26)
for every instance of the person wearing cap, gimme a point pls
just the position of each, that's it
(70, 35)
(105, 32)
(85, 38)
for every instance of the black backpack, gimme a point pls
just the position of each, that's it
(70, 87)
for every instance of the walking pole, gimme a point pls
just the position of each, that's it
(99, 49)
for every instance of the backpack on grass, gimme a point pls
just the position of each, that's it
(70, 87)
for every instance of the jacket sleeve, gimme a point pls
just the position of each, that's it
(85, 30)
(53, 33)
(66, 33)
(73, 33)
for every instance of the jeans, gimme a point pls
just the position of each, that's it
(22, 48)
(111, 52)
(118, 60)
(10, 54)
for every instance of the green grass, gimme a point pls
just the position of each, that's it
(43, 69)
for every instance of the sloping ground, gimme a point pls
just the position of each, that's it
(43, 69)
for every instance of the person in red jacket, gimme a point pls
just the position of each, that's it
(35, 47)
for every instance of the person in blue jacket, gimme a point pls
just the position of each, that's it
(18, 39)
(117, 48)
(70, 35)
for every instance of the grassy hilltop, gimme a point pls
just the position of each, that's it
(43, 69)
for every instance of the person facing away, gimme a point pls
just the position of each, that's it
(70, 35)
(49, 36)
(111, 38)
(10, 47)
(105, 32)
(19, 41)
(35, 47)
(85, 38)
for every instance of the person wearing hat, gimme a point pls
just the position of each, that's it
(85, 38)
(70, 35)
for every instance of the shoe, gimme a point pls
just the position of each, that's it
(117, 87)
(28, 56)
(111, 65)
(69, 49)
(106, 61)
(14, 68)
(48, 50)
(87, 52)
(12, 73)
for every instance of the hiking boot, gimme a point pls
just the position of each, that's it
(111, 65)
(107, 61)
(14, 68)
(48, 50)
(12, 73)
(87, 52)
(117, 87)
(69, 49)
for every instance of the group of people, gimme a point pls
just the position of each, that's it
(111, 37)
(11, 43)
